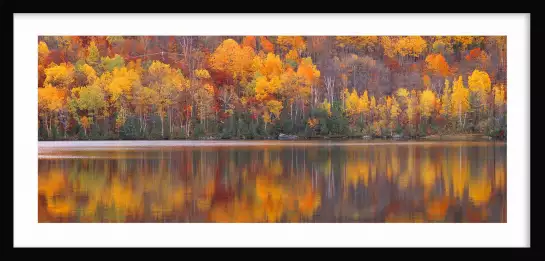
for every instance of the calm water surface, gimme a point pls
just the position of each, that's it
(272, 181)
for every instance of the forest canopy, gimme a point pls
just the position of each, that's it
(256, 87)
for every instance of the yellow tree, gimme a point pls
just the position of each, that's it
(292, 58)
(266, 89)
(403, 96)
(427, 103)
(446, 100)
(204, 98)
(50, 101)
(326, 106)
(119, 91)
(363, 105)
(168, 83)
(59, 76)
(297, 43)
(410, 46)
(480, 86)
(384, 116)
(233, 59)
(289, 88)
(89, 101)
(271, 67)
(351, 103)
(395, 110)
(459, 100)
(388, 45)
(273, 108)
(43, 52)
(89, 73)
(309, 75)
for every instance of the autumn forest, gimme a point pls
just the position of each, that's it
(257, 87)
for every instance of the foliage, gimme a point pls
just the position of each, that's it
(104, 87)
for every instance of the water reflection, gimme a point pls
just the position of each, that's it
(445, 182)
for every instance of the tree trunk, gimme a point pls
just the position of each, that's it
(140, 117)
(295, 119)
(162, 127)
(460, 114)
(181, 121)
(169, 122)
(50, 127)
(291, 115)
(145, 124)
(465, 117)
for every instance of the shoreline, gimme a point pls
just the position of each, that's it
(455, 137)
(44, 146)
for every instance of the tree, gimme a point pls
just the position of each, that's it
(367, 43)
(204, 98)
(410, 46)
(309, 74)
(363, 106)
(395, 110)
(50, 101)
(446, 100)
(235, 86)
(499, 101)
(296, 43)
(266, 45)
(412, 109)
(86, 104)
(89, 73)
(437, 64)
(460, 101)
(43, 52)
(109, 64)
(352, 102)
(120, 92)
(233, 59)
(427, 103)
(479, 84)
(93, 54)
(144, 99)
(59, 76)
(167, 83)
(403, 95)
(274, 108)
(249, 41)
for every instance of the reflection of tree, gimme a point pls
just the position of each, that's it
(52, 186)
(270, 196)
(391, 183)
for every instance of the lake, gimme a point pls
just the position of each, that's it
(272, 181)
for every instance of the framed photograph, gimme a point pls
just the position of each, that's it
(184, 130)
